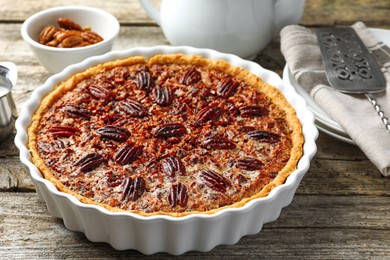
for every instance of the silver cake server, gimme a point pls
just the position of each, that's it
(349, 66)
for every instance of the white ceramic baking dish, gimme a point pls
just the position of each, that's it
(174, 235)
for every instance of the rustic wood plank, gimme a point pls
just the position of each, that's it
(269, 244)
(340, 210)
(342, 177)
(330, 13)
(14, 176)
(125, 11)
(316, 13)
(315, 226)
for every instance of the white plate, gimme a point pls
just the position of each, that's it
(335, 134)
(323, 121)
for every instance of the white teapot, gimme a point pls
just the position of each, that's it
(241, 27)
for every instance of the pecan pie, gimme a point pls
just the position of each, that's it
(172, 134)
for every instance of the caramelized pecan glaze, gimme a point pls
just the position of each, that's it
(163, 137)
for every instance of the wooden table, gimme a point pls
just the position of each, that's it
(341, 209)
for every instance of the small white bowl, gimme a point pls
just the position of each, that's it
(55, 59)
(159, 233)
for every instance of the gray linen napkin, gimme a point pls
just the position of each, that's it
(353, 112)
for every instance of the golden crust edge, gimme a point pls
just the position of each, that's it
(275, 95)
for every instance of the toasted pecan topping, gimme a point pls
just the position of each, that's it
(164, 137)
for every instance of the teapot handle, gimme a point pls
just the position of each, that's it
(287, 12)
(151, 10)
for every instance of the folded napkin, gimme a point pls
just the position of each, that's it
(353, 112)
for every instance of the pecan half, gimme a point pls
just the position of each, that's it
(133, 188)
(99, 92)
(127, 153)
(172, 166)
(133, 108)
(72, 41)
(89, 162)
(145, 81)
(63, 131)
(214, 180)
(53, 43)
(218, 143)
(263, 136)
(46, 34)
(45, 147)
(91, 37)
(169, 130)
(190, 77)
(76, 111)
(53, 146)
(227, 87)
(208, 113)
(252, 111)
(163, 95)
(249, 164)
(61, 35)
(178, 195)
(68, 24)
(115, 133)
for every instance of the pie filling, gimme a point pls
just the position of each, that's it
(173, 134)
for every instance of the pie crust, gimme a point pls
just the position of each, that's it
(170, 135)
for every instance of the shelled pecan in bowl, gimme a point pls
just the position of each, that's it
(69, 34)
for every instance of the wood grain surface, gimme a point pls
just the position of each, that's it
(340, 210)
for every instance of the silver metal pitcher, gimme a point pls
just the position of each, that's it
(8, 112)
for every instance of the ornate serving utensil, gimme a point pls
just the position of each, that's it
(349, 66)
